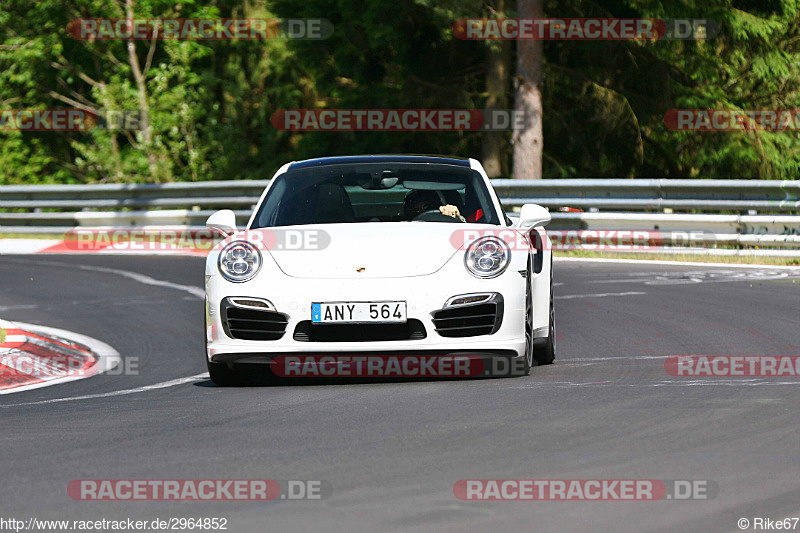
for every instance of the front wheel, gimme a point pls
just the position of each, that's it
(241, 374)
(222, 375)
(527, 362)
(545, 352)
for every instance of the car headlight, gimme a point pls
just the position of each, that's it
(239, 261)
(487, 257)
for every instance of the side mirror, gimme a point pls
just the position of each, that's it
(533, 215)
(223, 221)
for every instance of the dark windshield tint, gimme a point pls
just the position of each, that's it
(373, 192)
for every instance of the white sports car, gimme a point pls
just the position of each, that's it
(378, 256)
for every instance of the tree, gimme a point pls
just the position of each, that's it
(528, 142)
(209, 103)
(494, 150)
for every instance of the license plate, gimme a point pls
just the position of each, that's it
(357, 312)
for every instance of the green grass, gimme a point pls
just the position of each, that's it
(2, 335)
(696, 258)
(4, 235)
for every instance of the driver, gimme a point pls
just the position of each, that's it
(418, 201)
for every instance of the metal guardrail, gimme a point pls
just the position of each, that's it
(133, 195)
(154, 205)
(609, 194)
(730, 224)
(723, 224)
(653, 195)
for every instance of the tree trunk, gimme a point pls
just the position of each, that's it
(528, 142)
(116, 157)
(494, 155)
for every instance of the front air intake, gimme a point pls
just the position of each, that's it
(251, 324)
(469, 320)
(308, 332)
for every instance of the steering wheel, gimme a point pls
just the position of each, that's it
(434, 215)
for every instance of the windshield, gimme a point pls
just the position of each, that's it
(375, 192)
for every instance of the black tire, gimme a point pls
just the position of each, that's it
(527, 361)
(235, 375)
(545, 353)
(222, 375)
(241, 374)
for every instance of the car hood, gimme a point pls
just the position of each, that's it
(367, 249)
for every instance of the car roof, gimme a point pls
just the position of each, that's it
(353, 159)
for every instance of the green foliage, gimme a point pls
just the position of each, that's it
(610, 97)
(210, 102)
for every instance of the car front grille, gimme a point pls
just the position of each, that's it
(252, 324)
(308, 332)
(469, 320)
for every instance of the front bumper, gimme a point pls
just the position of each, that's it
(423, 294)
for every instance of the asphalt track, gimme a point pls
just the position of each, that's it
(392, 451)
